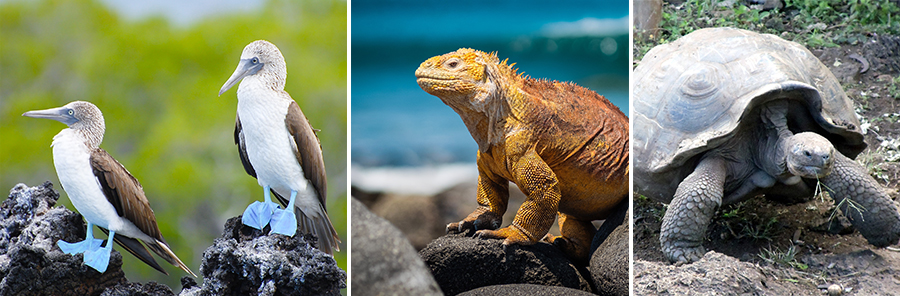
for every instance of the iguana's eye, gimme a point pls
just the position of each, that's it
(453, 63)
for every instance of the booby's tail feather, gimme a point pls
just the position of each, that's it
(137, 249)
(321, 227)
(162, 249)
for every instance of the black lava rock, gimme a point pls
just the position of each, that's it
(136, 289)
(30, 261)
(461, 263)
(384, 261)
(524, 289)
(609, 263)
(247, 261)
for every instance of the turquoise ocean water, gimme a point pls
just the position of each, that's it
(396, 124)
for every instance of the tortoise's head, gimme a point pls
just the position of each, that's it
(465, 78)
(809, 155)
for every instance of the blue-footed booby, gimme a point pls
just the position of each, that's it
(102, 190)
(279, 148)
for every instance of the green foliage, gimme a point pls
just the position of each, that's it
(157, 86)
(812, 23)
(785, 258)
(740, 223)
(894, 88)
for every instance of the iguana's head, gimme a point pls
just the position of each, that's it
(466, 78)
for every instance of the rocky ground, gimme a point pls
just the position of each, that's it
(462, 264)
(760, 247)
(243, 261)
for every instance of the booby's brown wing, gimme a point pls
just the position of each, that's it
(126, 195)
(309, 154)
(309, 151)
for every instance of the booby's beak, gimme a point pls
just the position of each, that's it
(245, 68)
(62, 114)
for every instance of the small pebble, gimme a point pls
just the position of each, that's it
(835, 290)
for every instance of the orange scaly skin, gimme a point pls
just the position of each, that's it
(565, 146)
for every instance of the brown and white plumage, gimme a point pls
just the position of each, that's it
(102, 190)
(276, 143)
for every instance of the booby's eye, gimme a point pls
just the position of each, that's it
(71, 112)
(254, 60)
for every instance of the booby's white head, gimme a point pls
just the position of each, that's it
(80, 116)
(260, 58)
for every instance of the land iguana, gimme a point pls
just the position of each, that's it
(565, 146)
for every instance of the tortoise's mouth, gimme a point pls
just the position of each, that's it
(808, 171)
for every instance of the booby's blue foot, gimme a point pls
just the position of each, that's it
(98, 259)
(284, 221)
(79, 247)
(89, 243)
(258, 214)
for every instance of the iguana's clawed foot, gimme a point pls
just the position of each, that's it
(576, 252)
(460, 227)
(510, 235)
(483, 221)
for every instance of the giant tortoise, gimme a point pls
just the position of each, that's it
(722, 115)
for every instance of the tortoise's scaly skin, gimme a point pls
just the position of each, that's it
(565, 146)
(722, 115)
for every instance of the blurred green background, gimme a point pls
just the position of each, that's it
(157, 83)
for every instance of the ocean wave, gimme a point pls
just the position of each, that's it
(588, 26)
(427, 180)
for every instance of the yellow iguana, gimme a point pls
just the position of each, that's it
(565, 146)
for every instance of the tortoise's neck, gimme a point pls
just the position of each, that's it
(771, 152)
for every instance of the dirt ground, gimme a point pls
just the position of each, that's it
(762, 234)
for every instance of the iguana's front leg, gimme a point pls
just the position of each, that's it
(869, 207)
(537, 213)
(493, 197)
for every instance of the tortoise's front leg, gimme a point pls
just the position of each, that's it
(877, 219)
(695, 202)
(493, 197)
(537, 213)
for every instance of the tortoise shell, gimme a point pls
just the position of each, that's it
(691, 95)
